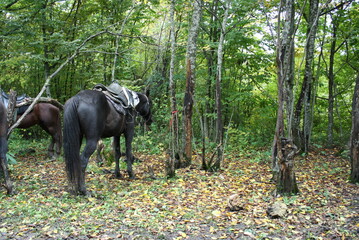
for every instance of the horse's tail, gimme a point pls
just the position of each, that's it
(72, 142)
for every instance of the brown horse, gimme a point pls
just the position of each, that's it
(3, 149)
(48, 117)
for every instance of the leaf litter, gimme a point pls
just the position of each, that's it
(191, 206)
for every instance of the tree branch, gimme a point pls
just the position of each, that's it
(47, 82)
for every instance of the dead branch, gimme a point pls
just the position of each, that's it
(42, 100)
(47, 82)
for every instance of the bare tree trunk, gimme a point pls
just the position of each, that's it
(354, 140)
(113, 71)
(302, 138)
(331, 84)
(283, 148)
(170, 165)
(46, 48)
(190, 82)
(219, 125)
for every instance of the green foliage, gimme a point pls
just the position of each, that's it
(23, 146)
(36, 33)
(147, 143)
(11, 160)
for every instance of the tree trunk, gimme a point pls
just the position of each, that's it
(113, 71)
(11, 114)
(170, 164)
(190, 82)
(219, 125)
(354, 140)
(302, 138)
(331, 84)
(46, 49)
(283, 148)
(286, 183)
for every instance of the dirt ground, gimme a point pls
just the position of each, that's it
(194, 205)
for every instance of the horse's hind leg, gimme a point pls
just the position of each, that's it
(117, 152)
(58, 144)
(50, 149)
(54, 149)
(85, 155)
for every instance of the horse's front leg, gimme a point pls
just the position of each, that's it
(129, 157)
(117, 152)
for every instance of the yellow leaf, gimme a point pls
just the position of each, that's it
(46, 228)
(216, 213)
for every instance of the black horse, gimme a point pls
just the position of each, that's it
(89, 114)
(3, 148)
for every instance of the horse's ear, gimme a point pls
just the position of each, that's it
(147, 92)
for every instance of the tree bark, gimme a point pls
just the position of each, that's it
(331, 83)
(286, 183)
(219, 125)
(283, 148)
(45, 38)
(190, 82)
(354, 140)
(170, 165)
(302, 138)
(11, 108)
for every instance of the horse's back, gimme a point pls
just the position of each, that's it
(44, 114)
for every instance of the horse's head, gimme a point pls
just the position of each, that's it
(144, 108)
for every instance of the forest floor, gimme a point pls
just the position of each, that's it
(191, 206)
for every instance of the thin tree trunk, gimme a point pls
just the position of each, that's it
(331, 84)
(308, 100)
(190, 81)
(219, 125)
(170, 168)
(113, 72)
(46, 48)
(302, 138)
(354, 140)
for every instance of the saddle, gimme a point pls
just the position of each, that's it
(119, 96)
(19, 99)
